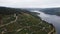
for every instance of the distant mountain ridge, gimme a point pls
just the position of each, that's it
(52, 11)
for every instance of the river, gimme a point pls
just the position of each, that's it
(54, 19)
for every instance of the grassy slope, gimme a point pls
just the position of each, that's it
(24, 24)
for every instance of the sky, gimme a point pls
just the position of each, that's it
(30, 3)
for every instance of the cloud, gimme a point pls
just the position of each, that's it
(30, 3)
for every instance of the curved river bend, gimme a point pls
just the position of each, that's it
(54, 19)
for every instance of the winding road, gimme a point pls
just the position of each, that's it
(11, 21)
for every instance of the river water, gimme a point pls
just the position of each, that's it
(54, 19)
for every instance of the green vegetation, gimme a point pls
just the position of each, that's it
(52, 11)
(23, 23)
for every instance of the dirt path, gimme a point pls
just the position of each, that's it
(51, 31)
(11, 21)
(19, 30)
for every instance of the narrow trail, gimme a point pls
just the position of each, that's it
(51, 31)
(11, 21)
(22, 28)
(19, 30)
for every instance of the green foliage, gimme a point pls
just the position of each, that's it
(26, 21)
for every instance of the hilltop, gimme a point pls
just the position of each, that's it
(22, 21)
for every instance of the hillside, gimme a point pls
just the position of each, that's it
(52, 11)
(23, 22)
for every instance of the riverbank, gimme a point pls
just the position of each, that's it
(53, 30)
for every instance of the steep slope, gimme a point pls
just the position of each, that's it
(24, 23)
